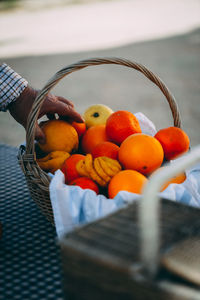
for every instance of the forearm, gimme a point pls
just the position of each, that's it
(20, 108)
(11, 86)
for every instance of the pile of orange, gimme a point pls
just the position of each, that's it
(121, 139)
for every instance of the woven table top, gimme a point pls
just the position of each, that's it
(30, 266)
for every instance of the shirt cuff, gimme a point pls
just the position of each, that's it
(11, 86)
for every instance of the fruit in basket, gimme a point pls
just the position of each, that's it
(93, 174)
(126, 180)
(120, 125)
(108, 149)
(106, 167)
(60, 136)
(100, 169)
(96, 114)
(141, 152)
(80, 128)
(69, 167)
(93, 136)
(85, 183)
(53, 161)
(174, 141)
(81, 169)
(180, 178)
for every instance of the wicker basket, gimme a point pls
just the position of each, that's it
(37, 180)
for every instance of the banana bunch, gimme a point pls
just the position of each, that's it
(53, 161)
(101, 169)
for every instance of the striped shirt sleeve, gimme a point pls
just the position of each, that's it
(11, 86)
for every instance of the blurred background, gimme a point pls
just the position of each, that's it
(42, 36)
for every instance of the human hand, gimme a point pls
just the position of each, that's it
(20, 110)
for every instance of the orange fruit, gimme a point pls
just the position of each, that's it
(93, 136)
(80, 128)
(120, 125)
(180, 178)
(126, 180)
(69, 167)
(174, 141)
(106, 149)
(141, 152)
(60, 136)
(85, 183)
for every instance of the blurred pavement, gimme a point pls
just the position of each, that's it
(162, 35)
(92, 26)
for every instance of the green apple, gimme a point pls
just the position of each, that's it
(96, 114)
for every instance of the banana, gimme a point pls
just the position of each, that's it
(44, 165)
(44, 159)
(53, 161)
(104, 165)
(80, 167)
(58, 162)
(91, 171)
(100, 170)
(113, 162)
(53, 154)
(109, 168)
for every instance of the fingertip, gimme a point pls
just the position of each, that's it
(80, 119)
(76, 116)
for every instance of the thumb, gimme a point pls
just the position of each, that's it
(39, 135)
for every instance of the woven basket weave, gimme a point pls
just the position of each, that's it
(37, 180)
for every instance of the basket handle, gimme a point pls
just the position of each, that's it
(34, 113)
(150, 206)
